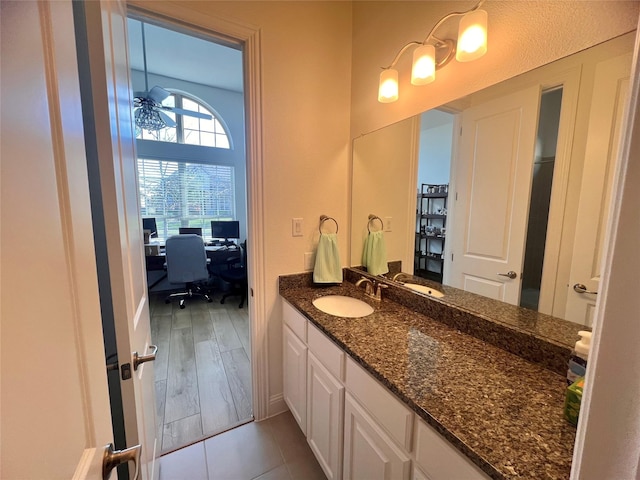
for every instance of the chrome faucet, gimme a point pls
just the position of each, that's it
(371, 289)
(368, 286)
(397, 276)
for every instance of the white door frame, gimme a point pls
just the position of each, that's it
(249, 37)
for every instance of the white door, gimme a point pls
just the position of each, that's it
(605, 120)
(55, 402)
(492, 176)
(115, 144)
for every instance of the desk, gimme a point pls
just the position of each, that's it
(217, 255)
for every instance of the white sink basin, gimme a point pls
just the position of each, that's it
(424, 289)
(341, 306)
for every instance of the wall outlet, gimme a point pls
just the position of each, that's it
(387, 224)
(309, 260)
(296, 227)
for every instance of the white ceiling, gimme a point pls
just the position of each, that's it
(185, 57)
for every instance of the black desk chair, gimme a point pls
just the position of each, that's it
(236, 275)
(186, 264)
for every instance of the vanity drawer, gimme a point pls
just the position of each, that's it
(440, 460)
(294, 320)
(330, 355)
(389, 412)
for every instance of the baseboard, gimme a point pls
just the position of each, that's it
(277, 405)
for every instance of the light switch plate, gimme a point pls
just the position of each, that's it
(296, 227)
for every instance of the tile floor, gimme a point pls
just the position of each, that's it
(202, 369)
(274, 449)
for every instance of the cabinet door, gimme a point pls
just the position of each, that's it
(325, 415)
(295, 376)
(369, 453)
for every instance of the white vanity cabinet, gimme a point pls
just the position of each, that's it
(357, 428)
(295, 364)
(437, 459)
(325, 401)
(325, 417)
(369, 453)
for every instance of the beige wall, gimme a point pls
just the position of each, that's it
(305, 68)
(384, 163)
(522, 35)
(316, 97)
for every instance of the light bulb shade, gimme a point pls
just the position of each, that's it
(424, 65)
(388, 89)
(472, 36)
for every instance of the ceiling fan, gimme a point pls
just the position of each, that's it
(148, 110)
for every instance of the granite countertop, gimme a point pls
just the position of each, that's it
(505, 413)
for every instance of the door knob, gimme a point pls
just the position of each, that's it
(112, 458)
(580, 288)
(511, 274)
(140, 359)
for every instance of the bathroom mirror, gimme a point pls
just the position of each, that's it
(531, 161)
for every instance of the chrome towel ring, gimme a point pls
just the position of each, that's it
(373, 217)
(324, 218)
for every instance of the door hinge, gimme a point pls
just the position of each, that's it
(452, 257)
(456, 196)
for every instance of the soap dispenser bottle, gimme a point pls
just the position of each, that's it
(579, 356)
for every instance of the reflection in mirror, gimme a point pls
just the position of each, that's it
(503, 193)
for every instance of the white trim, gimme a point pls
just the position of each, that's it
(249, 36)
(612, 379)
(90, 464)
(277, 405)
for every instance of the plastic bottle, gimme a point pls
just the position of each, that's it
(579, 356)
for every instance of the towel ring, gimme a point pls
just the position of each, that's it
(324, 218)
(373, 217)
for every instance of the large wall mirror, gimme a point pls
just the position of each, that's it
(504, 193)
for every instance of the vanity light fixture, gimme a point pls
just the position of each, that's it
(433, 52)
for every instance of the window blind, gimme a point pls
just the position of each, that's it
(180, 194)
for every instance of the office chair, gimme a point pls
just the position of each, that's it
(186, 264)
(236, 275)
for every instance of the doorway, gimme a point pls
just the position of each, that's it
(540, 197)
(191, 172)
(434, 165)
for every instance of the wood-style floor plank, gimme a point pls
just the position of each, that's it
(240, 320)
(182, 382)
(198, 393)
(181, 432)
(238, 370)
(181, 318)
(161, 337)
(225, 333)
(217, 404)
(161, 396)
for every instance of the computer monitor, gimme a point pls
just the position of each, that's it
(225, 229)
(150, 224)
(190, 230)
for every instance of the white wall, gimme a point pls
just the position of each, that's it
(436, 137)
(230, 108)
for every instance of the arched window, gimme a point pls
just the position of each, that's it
(189, 130)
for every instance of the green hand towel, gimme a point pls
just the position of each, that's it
(374, 254)
(327, 268)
